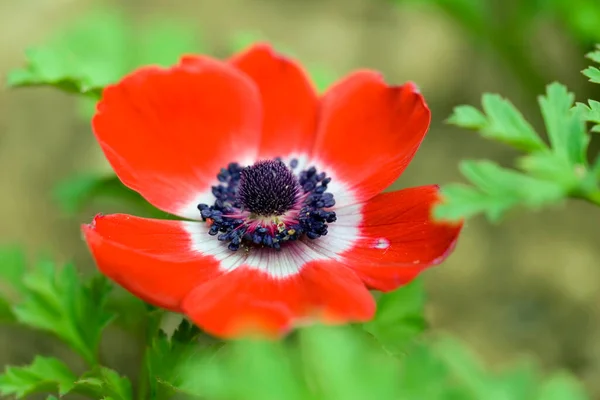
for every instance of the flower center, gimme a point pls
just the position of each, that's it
(268, 188)
(267, 204)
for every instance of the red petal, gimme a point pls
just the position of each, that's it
(290, 102)
(369, 132)
(337, 293)
(399, 239)
(250, 302)
(153, 259)
(168, 132)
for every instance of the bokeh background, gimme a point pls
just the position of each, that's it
(529, 287)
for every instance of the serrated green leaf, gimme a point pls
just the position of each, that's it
(43, 375)
(99, 50)
(551, 167)
(594, 55)
(57, 302)
(501, 122)
(506, 124)
(168, 359)
(496, 190)
(83, 59)
(590, 113)
(565, 127)
(89, 386)
(104, 383)
(115, 386)
(468, 117)
(496, 181)
(399, 317)
(186, 332)
(593, 74)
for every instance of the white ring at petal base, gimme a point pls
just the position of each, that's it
(342, 236)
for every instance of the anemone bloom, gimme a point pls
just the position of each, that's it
(280, 189)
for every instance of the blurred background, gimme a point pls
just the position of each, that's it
(529, 287)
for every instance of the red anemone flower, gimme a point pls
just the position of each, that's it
(281, 189)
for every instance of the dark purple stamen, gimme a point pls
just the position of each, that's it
(268, 189)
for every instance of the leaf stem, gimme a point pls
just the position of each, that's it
(152, 324)
(143, 379)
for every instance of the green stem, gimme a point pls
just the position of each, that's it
(143, 380)
(153, 320)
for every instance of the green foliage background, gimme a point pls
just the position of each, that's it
(390, 357)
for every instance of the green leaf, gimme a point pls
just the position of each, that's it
(468, 117)
(262, 371)
(593, 73)
(131, 313)
(43, 375)
(595, 55)
(590, 113)
(501, 122)
(58, 302)
(104, 383)
(76, 192)
(399, 317)
(519, 383)
(495, 191)
(343, 365)
(83, 59)
(185, 333)
(553, 173)
(115, 386)
(99, 50)
(561, 387)
(552, 167)
(463, 365)
(565, 127)
(423, 375)
(167, 358)
(12, 267)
